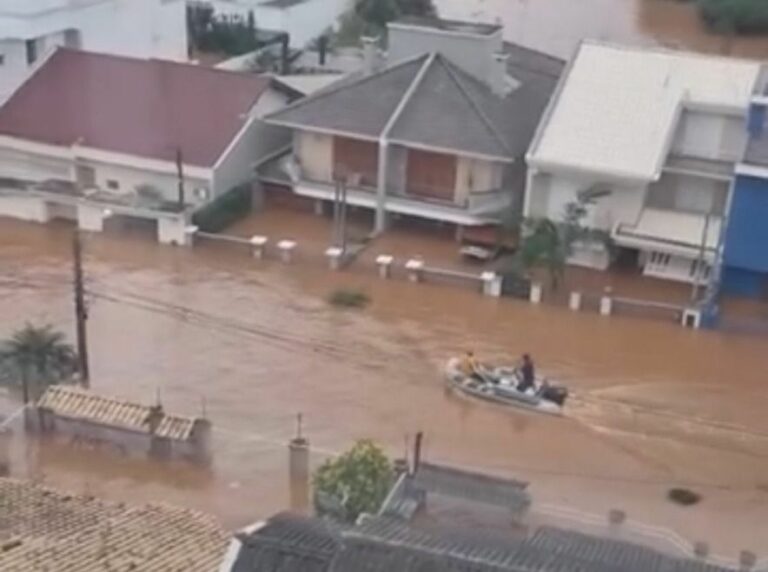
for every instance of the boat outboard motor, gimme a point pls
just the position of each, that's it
(555, 394)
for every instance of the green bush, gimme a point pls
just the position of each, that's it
(225, 210)
(354, 483)
(735, 16)
(348, 298)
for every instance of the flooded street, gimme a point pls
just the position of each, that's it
(254, 343)
(557, 26)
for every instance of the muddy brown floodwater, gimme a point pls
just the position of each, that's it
(557, 26)
(655, 405)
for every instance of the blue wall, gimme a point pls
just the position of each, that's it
(746, 239)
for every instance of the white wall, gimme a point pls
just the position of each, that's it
(136, 28)
(550, 193)
(31, 167)
(314, 152)
(15, 205)
(710, 136)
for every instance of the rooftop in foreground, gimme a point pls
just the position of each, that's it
(45, 529)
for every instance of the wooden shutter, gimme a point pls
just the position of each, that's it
(431, 175)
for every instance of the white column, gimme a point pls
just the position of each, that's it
(491, 284)
(574, 302)
(381, 191)
(90, 218)
(173, 230)
(536, 292)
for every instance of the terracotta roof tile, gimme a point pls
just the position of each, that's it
(79, 404)
(146, 108)
(43, 529)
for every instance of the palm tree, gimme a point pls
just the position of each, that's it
(36, 355)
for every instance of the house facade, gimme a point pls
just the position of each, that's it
(90, 135)
(745, 245)
(437, 131)
(31, 30)
(660, 132)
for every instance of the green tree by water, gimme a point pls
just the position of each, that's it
(354, 483)
(370, 17)
(34, 358)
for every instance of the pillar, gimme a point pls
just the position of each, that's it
(606, 303)
(536, 291)
(90, 218)
(574, 302)
(173, 230)
(415, 270)
(298, 474)
(491, 284)
(380, 224)
(384, 262)
(286, 248)
(258, 246)
(319, 207)
(334, 254)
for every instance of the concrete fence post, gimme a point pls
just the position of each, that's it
(258, 246)
(191, 232)
(691, 318)
(334, 254)
(536, 293)
(286, 248)
(415, 270)
(385, 265)
(606, 303)
(491, 284)
(574, 302)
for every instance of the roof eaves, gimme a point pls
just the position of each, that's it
(552, 104)
(453, 151)
(476, 106)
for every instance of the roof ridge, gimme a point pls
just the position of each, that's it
(341, 85)
(476, 106)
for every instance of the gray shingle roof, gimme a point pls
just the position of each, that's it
(447, 109)
(380, 544)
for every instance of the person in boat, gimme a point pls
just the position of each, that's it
(527, 374)
(469, 365)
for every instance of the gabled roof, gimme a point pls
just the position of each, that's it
(429, 101)
(144, 108)
(79, 404)
(617, 109)
(383, 544)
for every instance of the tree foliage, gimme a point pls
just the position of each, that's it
(212, 33)
(354, 483)
(548, 244)
(370, 17)
(735, 16)
(35, 357)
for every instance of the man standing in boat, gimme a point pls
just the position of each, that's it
(469, 365)
(527, 374)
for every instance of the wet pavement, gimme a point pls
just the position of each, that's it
(253, 343)
(557, 26)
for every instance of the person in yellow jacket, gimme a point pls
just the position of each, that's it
(469, 365)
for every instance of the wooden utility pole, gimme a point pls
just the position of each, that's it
(180, 175)
(81, 312)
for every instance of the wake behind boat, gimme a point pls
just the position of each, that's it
(500, 385)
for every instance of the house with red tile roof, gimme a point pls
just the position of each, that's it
(93, 133)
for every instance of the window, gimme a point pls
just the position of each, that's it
(31, 51)
(113, 185)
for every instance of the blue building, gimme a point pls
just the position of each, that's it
(745, 254)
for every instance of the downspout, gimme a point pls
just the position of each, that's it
(381, 191)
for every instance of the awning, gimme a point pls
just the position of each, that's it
(672, 232)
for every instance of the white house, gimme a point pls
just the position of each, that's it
(303, 20)
(91, 134)
(661, 131)
(31, 29)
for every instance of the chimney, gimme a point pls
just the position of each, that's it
(498, 75)
(370, 54)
